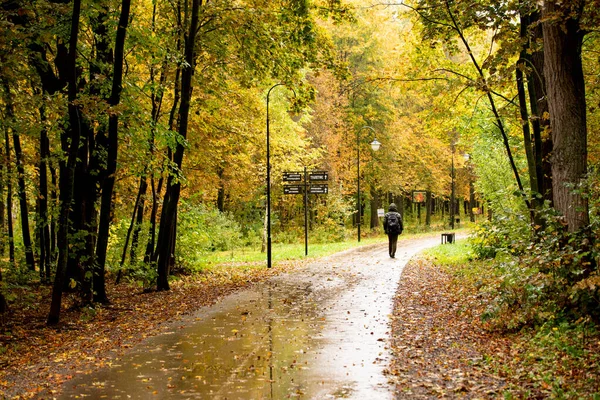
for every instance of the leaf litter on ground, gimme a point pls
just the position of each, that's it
(36, 360)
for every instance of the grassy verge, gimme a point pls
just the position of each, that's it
(295, 251)
(559, 359)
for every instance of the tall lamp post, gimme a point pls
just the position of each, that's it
(452, 193)
(375, 146)
(269, 257)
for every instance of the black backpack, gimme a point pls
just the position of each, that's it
(393, 223)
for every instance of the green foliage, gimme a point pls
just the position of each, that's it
(502, 235)
(546, 272)
(561, 358)
(144, 274)
(201, 230)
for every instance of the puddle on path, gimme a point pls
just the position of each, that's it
(317, 333)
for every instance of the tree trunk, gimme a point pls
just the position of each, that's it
(428, 208)
(111, 162)
(169, 212)
(129, 230)
(150, 252)
(44, 227)
(9, 195)
(536, 85)
(528, 143)
(54, 200)
(136, 222)
(67, 169)
(221, 190)
(20, 181)
(3, 178)
(375, 204)
(471, 200)
(566, 101)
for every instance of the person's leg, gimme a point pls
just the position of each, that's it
(391, 242)
(394, 242)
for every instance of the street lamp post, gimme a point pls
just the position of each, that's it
(452, 193)
(375, 144)
(269, 257)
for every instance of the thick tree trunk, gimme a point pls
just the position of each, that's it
(111, 162)
(375, 202)
(566, 101)
(169, 212)
(536, 85)
(67, 169)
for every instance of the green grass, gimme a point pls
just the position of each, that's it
(451, 254)
(285, 252)
(295, 251)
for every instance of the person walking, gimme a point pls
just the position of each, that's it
(392, 226)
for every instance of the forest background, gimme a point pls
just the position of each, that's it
(134, 136)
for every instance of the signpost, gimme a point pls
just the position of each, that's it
(292, 176)
(319, 176)
(293, 189)
(318, 189)
(306, 188)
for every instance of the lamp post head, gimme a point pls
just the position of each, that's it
(375, 144)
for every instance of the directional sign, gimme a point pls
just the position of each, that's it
(293, 189)
(292, 176)
(318, 189)
(319, 176)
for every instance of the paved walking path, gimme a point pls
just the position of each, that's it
(316, 333)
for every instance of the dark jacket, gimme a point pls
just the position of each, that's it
(392, 210)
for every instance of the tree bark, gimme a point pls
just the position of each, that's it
(9, 195)
(536, 85)
(111, 162)
(563, 70)
(375, 202)
(26, 233)
(428, 208)
(67, 169)
(44, 228)
(169, 212)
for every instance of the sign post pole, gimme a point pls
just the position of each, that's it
(309, 188)
(305, 213)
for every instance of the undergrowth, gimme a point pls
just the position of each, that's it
(552, 354)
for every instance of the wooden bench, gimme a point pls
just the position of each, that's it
(448, 238)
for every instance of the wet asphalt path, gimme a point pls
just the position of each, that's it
(319, 332)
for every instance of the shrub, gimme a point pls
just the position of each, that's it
(202, 229)
(550, 272)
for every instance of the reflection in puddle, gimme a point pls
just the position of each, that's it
(318, 333)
